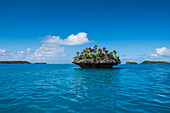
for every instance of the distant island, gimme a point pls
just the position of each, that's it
(40, 63)
(96, 58)
(149, 62)
(131, 63)
(155, 62)
(15, 62)
(20, 62)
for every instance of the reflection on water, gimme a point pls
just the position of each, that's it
(96, 85)
(65, 88)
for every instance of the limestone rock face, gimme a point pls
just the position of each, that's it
(89, 63)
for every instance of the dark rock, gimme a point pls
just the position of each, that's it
(89, 63)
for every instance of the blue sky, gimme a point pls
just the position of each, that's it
(138, 29)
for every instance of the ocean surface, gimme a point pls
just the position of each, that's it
(56, 88)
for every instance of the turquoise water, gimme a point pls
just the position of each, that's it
(30, 88)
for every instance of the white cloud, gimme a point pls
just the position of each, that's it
(52, 44)
(161, 52)
(49, 50)
(79, 39)
(28, 50)
(2, 50)
(51, 47)
(14, 55)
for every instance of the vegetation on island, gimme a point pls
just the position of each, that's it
(155, 62)
(131, 63)
(95, 53)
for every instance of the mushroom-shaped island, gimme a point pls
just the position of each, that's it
(96, 58)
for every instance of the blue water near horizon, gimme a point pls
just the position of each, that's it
(52, 88)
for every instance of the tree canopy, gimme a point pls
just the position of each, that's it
(95, 53)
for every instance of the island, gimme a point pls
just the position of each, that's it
(14, 62)
(93, 57)
(20, 62)
(131, 63)
(155, 62)
(40, 63)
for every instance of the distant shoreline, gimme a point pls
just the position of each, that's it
(149, 62)
(26, 62)
(20, 62)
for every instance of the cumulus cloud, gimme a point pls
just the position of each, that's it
(161, 52)
(28, 50)
(2, 50)
(49, 50)
(79, 39)
(15, 55)
(51, 46)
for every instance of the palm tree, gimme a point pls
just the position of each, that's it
(106, 51)
(95, 51)
(77, 53)
(114, 51)
(91, 51)
(82, 53)
(87, 48)
(111, 53)
(85, 55)
(74, 57)
(104, 48)
(93, 55)
(100, 50)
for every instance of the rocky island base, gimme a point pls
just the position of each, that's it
(94, 65)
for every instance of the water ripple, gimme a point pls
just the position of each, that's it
(66, 88)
